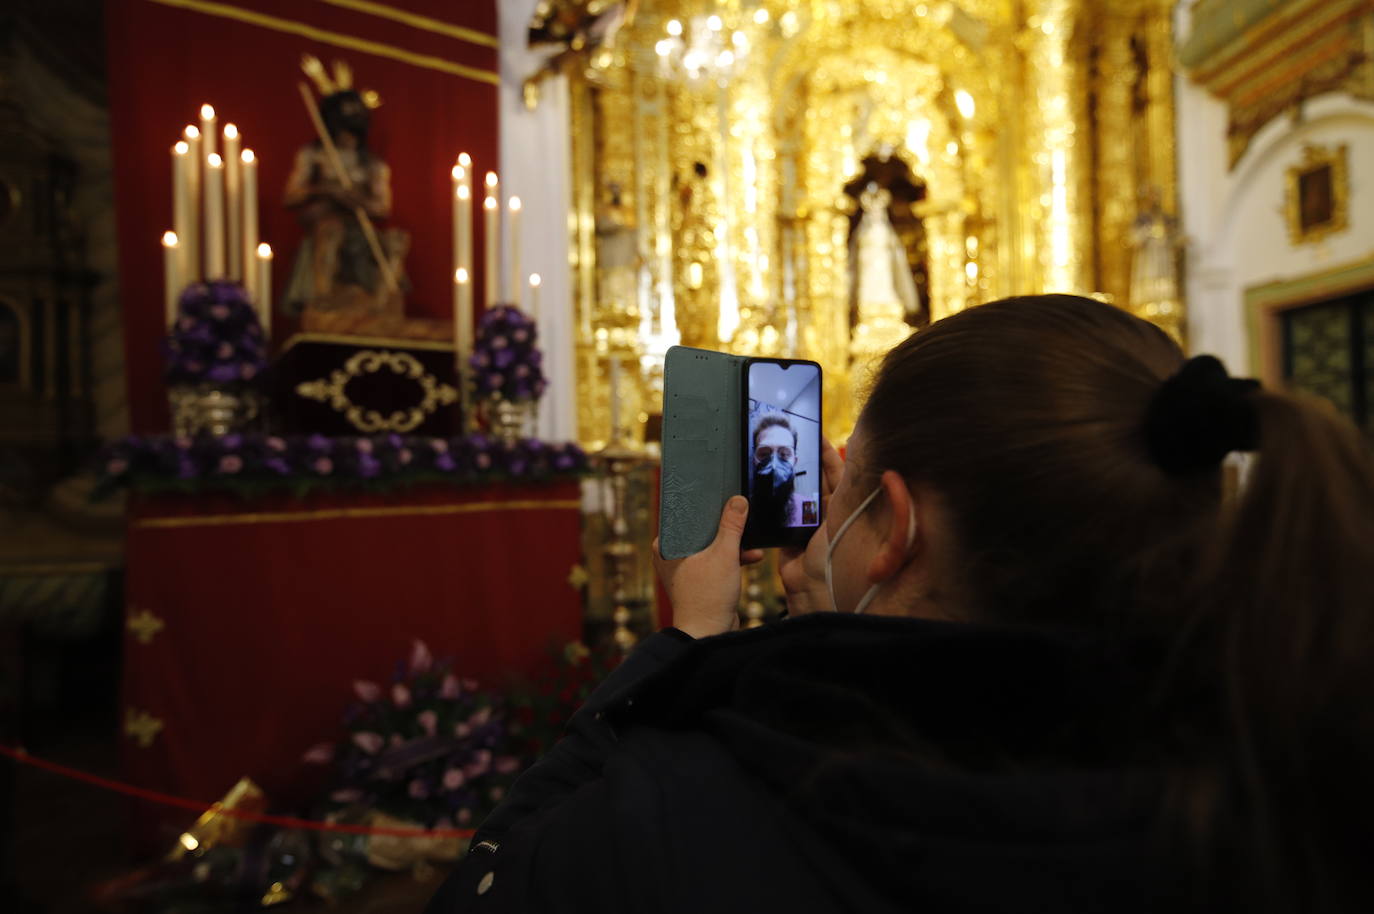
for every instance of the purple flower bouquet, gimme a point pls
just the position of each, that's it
(505, 362)
(216, 338)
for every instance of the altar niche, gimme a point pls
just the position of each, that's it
(882, 171)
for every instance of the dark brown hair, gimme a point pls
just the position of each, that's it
(1027, 416)
(774, 419)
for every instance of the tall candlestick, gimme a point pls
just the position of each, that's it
(615, 398)
(233, 204)
(190, 242)
(462, 316)
(264, 286)
(492, 245)
(181, 200)
(207, 129)
(248, 244)
(458, 173)
(214, 217)
(171, 272)
(513, 252)
(535, 282)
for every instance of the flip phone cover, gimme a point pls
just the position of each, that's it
(701, 446)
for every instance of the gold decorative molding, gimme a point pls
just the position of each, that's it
(348, 339)
(578, 577)
(337, 39)
(415, 20)
(333, 392)
(296, 517)
(1310, 194)
(142, 727)
(145, 626)
(1299, 50)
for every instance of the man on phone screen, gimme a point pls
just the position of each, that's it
(773, 498)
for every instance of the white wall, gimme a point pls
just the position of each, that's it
(535, 167)
(1235, 218)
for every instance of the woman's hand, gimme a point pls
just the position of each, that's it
(704, 588)
(803, 570)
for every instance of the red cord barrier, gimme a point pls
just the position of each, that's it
(21, 755)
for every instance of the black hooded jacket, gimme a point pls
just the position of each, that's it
(842, 763)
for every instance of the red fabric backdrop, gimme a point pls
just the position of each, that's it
(270, 611)
(167, 57)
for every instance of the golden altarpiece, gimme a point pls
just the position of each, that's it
(720, 152)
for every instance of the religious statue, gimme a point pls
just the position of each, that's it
(339, 189)
(881, 280)
(577, 28)
(882, 170)
(1155, 241)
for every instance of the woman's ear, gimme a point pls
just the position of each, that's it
(899, 533)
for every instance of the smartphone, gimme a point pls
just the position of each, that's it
(780, 466)
(732, 426)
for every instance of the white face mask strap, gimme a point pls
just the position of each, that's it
(830, 550)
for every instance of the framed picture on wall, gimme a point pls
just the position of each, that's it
(1318, 195)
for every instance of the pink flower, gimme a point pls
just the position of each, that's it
(428, 721)
(319, 754)
(224, 350)
(247, 371)
(183, 443)
(364, 446)
(483, 461)
(367, 691)
(417, 789)
(347, 795)
(324, 466)
(497, 793)
(439, 445)
(506, 764)
(116, 467)
(219, 312)
(400, 695)
(461, 731)
(420, 657)
(479, 717)
(276, 444)
(481, 762)
(464, 816)
(230, 463)
(369, 742)
(449, 688)
(453, 779)
(470, 685)
(403, 456)
(397, 741)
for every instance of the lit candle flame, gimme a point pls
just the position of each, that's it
(264, 251)
(169, 239)
(491, 179)
(192, 132)
(464, 160)
(458, 172)
(535, 281)
(231, 131)
(207, 113)
(464, 192)
(247, 156)
(181, 148)
(489, 203)
(214, 160)
(515, 204)
(460, 276)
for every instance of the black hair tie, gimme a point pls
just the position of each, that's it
(1200, 415)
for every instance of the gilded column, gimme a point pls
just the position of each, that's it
(696, 216)
(1116, 173)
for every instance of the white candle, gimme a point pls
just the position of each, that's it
(615, 398)
(171, 272)
(233, 204)
(493, 242)
(214, 217)
(264, 285)
(535, 282)
(462, 317)
(513, 252)
(207, 129)
(182, 213)
(464, 203)
(190, 242)
(248, 244)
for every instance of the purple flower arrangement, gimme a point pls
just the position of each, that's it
(253, 462)
(504, 361)
(429, 746)
(216, 338)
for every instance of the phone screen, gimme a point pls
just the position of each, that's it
(782, 451)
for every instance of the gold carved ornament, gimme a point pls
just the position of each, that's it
(145, 626)
(141, 727)
(332, 391)
(1316, 159)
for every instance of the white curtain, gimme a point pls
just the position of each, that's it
(535, 154)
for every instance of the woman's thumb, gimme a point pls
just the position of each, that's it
(732, 523)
